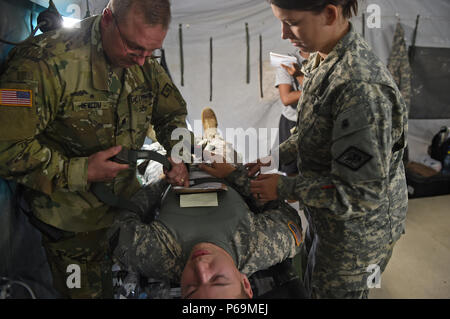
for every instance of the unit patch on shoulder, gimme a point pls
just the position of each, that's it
(13, 97)
(167, 89)
(296, 232)
(353, 158)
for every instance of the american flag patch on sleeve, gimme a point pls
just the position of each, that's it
(13, 97)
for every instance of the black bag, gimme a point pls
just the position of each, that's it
(440, 144)
(421, 186)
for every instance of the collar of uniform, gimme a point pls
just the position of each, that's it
(343, 44)
(319, 67)
(99, 65)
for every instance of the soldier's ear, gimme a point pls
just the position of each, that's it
(246, 286)
(331, 13)
(107, 17)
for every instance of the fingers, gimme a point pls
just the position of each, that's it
(264, 187)
(261, 177)
(256, 188)
(253, 168)
(208, 169)
(117, 167)
(178, 175)
(110, 152)
(186, 182)
(286, 67)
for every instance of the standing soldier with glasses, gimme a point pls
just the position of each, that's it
(88, 92)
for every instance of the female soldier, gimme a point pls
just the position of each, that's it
(349, 148)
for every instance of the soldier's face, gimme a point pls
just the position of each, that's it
(306, 30)
(130, 42)
(210, 273)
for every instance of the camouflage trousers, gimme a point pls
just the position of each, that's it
(323, 280)
(321, 290)
(81, 265)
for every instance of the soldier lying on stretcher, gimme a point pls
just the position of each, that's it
(210, 251)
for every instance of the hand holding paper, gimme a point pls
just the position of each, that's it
(277, 59)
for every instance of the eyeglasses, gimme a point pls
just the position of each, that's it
(134, 52)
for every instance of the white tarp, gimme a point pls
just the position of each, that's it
(238, 104)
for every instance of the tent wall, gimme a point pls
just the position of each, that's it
(239, 104)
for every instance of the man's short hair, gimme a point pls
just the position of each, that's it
(154, 12)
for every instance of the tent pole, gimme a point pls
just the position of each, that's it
(180, 33)
(364, 25)
(248, 52)
(260, 67)
(413, 42)
(210, 68)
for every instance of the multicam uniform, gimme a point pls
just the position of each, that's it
(160, 249)
(77, 104)
(349, 147)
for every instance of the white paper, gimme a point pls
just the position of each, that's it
(199, 200)
(277, 59)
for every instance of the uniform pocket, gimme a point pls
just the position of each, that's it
(355, 147)
(141, 105)
(88, 126)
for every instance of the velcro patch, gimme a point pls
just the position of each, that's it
(296, 232)
(13, 97)
(353, 158)
(167, 89)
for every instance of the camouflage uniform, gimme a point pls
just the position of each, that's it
(257, 242)
(349, 147)
(79, 105)
(398, 65)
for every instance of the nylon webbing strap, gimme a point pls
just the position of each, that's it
(127, 156)
(104, 194)
(130, 157)
(198, 181)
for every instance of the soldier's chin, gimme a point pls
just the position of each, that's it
(127, 65)
(124, 64)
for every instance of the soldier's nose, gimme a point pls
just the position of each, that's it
(284, 31)
(203, 271)
(139, 60)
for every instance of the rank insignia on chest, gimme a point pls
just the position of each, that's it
(296, 232)
(353, 158)
(12, 97)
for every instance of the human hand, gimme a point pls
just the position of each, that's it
(101, 169)
(293, 70)
(218, 168)
(178, 175)
(264, 188)
(254, 168)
